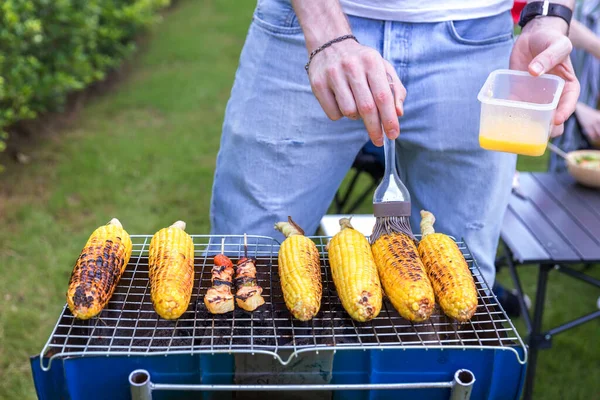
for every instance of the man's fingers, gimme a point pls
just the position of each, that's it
(326, 98)
(367, 108)
(343, 94)
(557, 130)
(399, 89)
(554, 54)
(384, 99)
(357, 84)
(567, 102)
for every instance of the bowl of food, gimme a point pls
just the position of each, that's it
(584, 167)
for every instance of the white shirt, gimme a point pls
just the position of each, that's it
(424, 10)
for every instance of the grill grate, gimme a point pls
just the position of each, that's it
(129, 326)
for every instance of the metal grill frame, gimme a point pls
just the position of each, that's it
(347, 335)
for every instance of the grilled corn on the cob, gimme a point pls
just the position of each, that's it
(299, 272)
(354, 273)
(98, 269)
(403, 276)
(171, 270)
(448, 271)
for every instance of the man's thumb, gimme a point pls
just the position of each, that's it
(554, 54)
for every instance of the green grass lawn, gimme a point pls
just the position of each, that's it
(145, 153)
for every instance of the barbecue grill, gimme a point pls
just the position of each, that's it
(128, 351)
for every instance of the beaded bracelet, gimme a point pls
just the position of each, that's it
(326, 45)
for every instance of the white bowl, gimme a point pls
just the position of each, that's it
(584, 175)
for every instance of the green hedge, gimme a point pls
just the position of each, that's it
(49, 48)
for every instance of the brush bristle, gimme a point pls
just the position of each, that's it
(389, 225)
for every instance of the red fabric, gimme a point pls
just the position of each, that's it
(516, 10)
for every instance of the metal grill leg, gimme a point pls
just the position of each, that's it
(534, 340)
(462, 385)
(141, 387)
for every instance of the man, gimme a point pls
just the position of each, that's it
(290, 135)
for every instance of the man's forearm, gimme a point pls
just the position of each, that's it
(321, 21)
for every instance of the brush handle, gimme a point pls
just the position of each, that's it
(391, 187)
(389, 145)
(391, 198)
(389, 150)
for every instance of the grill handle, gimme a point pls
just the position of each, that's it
(461, 386)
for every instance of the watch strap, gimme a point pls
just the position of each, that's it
(545, 8)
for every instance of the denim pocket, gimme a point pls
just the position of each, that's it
(277, 16)
(482, 31)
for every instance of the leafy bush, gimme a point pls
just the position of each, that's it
(49, 48)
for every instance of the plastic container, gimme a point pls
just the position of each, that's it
(517, 110)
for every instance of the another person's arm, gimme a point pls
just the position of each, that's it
(583, 38)
(544, 47)
(347, 78)
(589, 118)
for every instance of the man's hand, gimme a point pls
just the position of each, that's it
(347, 78)
(589, 118)
(543, 47)
(352, 80)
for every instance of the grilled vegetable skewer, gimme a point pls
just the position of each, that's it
(299, 271)
(98, 270)
(448, 271)
(403, 276)
(171, 270)
(218, 298)
(355, 273)
(248, 292)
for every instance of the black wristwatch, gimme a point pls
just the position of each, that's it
(544, 8)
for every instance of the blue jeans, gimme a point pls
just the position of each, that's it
(280, 155)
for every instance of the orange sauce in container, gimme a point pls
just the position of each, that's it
(514, 135)
(527, 149)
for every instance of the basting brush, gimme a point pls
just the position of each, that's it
(391, 200)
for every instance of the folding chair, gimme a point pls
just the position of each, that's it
(370, 161)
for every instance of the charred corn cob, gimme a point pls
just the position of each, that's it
(171, 270)
(403, 276)
(98, 270)
(448, 271)
(354, 273)
(248, 292)
(299, 272)
(218, 298)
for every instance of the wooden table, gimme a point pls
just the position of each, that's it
(551, 222)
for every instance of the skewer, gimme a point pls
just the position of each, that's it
(219, 298)
(249, 293)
